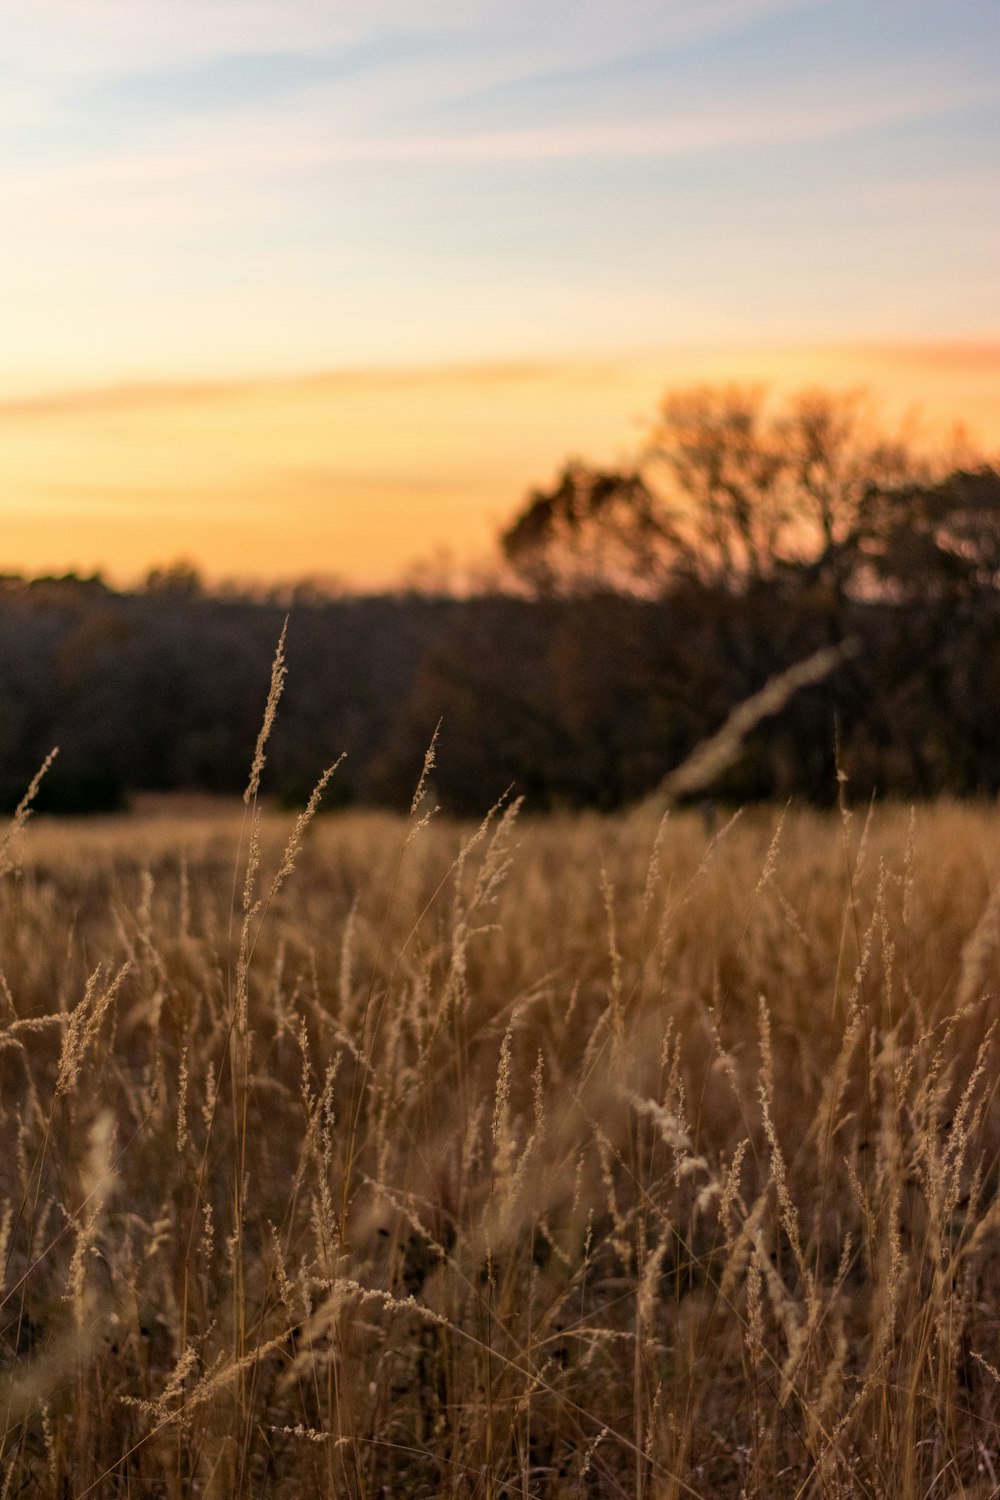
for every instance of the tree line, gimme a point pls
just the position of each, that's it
(634, 609)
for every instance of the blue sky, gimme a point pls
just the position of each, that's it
(278, 186)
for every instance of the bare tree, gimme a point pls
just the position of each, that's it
(735, 491)
(725, 473)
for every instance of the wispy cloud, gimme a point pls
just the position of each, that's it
(80, 75)
(743, 125)
(62, 39)
(192, 185)
(117, 400)
(316, 137)
(444, 384)
(129, 398)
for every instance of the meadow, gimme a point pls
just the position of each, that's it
(379, 1155)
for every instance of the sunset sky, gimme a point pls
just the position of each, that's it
(298, 287)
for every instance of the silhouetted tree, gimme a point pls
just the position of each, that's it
(930, 541)
(732, 492)
(593, 530)
(180, 578)
(835, 456)
(726, 469)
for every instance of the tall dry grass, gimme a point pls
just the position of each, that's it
(585, 1157)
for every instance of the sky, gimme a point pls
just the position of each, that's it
(295, 287)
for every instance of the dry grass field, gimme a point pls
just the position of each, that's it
(577, 1157)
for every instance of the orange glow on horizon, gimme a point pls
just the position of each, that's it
(359, 475)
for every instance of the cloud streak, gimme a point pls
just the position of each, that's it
(60, 39)
(274, 183)
(313, 142)
(138, 396)
(442, 382)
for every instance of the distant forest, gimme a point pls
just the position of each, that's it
(632, 612)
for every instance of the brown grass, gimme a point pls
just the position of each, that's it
(583, 1157)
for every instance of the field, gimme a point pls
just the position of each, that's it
(575, 1157)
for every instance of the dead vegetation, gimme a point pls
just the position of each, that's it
(581, 1157)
